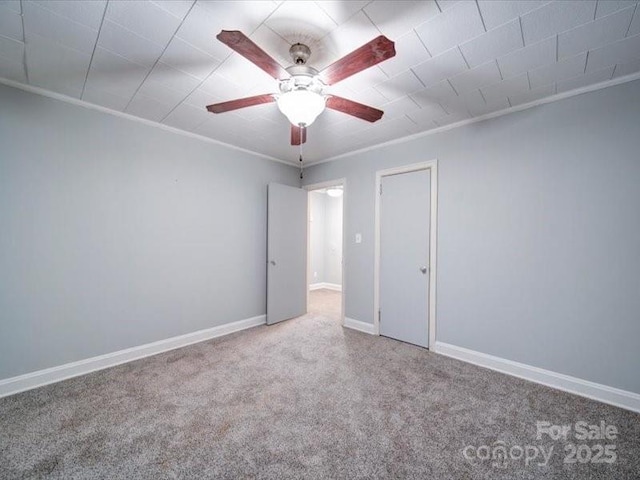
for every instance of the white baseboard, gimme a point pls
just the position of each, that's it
(360, 326)
(12, 385)
(328, 286)
(596, 391)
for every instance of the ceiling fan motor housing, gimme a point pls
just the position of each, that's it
(302, 77)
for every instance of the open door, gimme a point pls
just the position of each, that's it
(286, 253)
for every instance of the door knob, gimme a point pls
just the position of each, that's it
(273, 262)
(423, 269)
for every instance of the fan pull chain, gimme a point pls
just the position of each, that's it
(301, 166)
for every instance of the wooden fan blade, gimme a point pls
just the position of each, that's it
(298, 135)
(240, 103)
(377, 50)
(356, 109)
(239, 42)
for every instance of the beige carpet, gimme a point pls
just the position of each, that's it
(307, 399)
(325, 302)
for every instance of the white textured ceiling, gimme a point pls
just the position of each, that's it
(160, 60)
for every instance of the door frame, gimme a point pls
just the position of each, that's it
(317, 186)
(431, 165)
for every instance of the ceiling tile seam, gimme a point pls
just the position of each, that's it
(416, 103)
(65, 18)
(499, 70)
(196, 88)
(452, 87)
(483, 97)
(579, 25)
(158, 61)
(319, 4)
(195, 48)
(57, 43)
(635, 10)
(95, 47)
(422, 42)
(368, 17)
(484, 25)
(263, 23)
(339, 25)
(55, 14)
(438, 5)
(24, 37)
(160, 3)
(196, 126)
(595, 10)
(528, 81)
(586, 62)
(273, 31)
(614, 70)
(419, 79)
(521, 31)
(463, 58)
(557, 48)
(24, 42)
(382, 94)
(410, 119)
(447, 110)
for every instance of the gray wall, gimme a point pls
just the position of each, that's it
(333, 240)
(114, 234)
(325, 232)
(538, 234)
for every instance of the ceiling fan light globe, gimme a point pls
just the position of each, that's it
(301, 107)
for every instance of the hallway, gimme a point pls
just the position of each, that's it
(325, 302)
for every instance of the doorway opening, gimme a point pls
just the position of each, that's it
(325, 257)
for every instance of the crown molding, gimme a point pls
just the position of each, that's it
(408, 138)
(462, 123)
(91, 106)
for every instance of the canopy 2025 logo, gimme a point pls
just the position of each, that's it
(578, 450)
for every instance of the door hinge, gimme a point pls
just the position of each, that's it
(379, 316)
(380, 189)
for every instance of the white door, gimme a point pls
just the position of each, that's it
(405, 206)
(286, 253)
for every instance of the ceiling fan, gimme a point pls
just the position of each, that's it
(302, 94)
